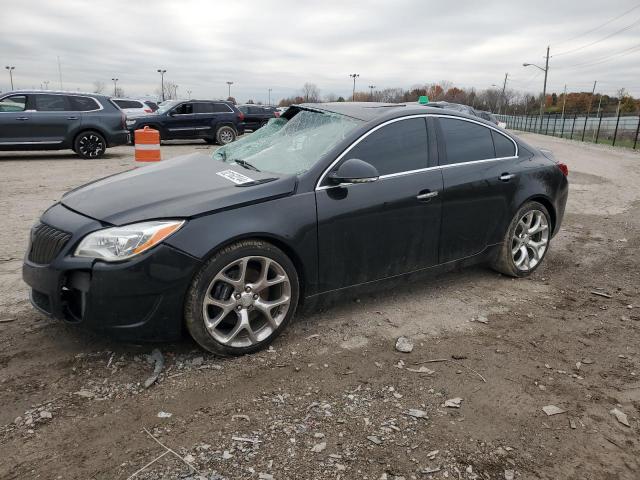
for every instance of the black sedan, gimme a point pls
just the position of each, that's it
(327, 197)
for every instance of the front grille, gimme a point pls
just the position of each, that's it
(46, 243)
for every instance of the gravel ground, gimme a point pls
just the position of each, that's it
(333, 398)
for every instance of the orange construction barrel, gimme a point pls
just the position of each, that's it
(147, 142)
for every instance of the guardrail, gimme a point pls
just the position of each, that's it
(617, 130)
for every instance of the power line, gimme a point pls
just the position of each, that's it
(598, 41)
(597, 61)
(599, 26)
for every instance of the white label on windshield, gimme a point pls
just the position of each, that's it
(235, 177)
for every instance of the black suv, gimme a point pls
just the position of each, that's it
(215, 121)
(256, 116)
(51, 120)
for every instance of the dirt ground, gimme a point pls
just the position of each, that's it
(333, 398)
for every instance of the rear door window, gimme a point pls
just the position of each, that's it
(128, 104)
(465, 141)
(398, 147)
(82, 104)
(50, 103)
(202, 107)
(14, 103)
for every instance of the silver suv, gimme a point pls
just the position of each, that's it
(50, 120)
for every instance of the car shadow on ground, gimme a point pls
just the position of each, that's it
(45, 156)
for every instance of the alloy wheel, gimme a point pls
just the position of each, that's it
(246, 301)
(226, 136)
(530, 240)
(91, 145)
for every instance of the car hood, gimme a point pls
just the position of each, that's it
(182, 187)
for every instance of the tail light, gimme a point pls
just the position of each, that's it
(564, 169)
(240, 116)
(148, 110)
(276, 114)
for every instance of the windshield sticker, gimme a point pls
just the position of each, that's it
(235, 177)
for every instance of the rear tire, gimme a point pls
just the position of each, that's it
(225, 135)
(242, 298)
(90, 144)
(526, 241)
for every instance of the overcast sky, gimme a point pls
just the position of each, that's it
(282, 44)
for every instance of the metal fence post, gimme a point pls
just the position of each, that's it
(635, 141)
(598, 131)
(615, 133)
(584, 128)
(564, 119)
(546, 131)
(573, 126)
(555, 120)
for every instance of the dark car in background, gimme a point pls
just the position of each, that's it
(256, 116)
(215, 121)
(55, 120)
(326, 197)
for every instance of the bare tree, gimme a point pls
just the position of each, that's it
(119, 92)
(311, 92)
(98, 86)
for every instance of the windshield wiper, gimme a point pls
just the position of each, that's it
(247, 165)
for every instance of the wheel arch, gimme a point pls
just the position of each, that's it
(548, 204)
(276, 241)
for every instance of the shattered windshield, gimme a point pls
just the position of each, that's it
(166, 105)
(289, 146)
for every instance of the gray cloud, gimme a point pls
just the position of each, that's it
(281, 44)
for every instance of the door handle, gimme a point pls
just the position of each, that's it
(22, 118)
(72, 118)
(427, 195)
(505, 177)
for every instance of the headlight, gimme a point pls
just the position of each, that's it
(119, 243)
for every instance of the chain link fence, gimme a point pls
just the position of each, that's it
(616, 130)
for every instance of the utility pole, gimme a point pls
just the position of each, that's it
(115, 86)
(269, 97)
(354, 76)
(229, 85)
(162, 72)
(11, 69)
(589, 109)
(371, 87)
(564, 100)
(60, 73)
(544, 88)
(504, 86)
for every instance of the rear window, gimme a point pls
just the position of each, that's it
(203, 107)
(15, 103)
(49, 103)
(128, 104)
(83, 104)
(221, 108)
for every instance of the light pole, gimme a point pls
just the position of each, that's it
(354, 76)
(188, 94)
(371, 87)
(162, 72)
(270, 97)
(11, 69)
(46, 84)
(115, 86)
(504, 86)
(544, 88)
(229, 84)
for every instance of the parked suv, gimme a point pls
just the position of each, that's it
(131, 106)
(215, 121)
(50, 120)
(256, 116)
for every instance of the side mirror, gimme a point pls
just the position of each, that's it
(354, 170)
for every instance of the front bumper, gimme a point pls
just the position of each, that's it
(140, 299)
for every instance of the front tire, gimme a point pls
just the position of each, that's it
(225, 135)
(242, 298)
(90, 144)
(526, 242)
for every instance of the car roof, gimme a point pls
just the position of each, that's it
(370, 111)
(56, 92)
